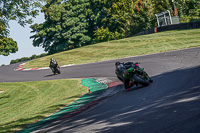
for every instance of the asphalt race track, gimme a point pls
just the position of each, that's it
(170, 104)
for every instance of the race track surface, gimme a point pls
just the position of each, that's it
(170, 104)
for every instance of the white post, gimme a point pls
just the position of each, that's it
(170, 16)
(165, 19)
(157, 20)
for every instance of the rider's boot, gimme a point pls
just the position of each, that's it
(136, 84)
(131, 83)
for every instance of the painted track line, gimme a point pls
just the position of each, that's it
(19, 68)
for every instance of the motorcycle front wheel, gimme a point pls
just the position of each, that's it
(140, 80)
(58, 71)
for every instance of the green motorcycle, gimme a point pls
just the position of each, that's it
(131, 74)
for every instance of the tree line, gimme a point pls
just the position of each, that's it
(74, 23)
(23, 59)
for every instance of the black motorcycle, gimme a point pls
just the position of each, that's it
(56, 69)
(139, 75)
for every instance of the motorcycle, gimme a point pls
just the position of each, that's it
(139, 75)
(56, 69)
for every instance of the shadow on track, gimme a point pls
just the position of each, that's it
(170, 104)
(50, 75)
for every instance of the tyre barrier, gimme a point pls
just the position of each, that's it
(180, 26)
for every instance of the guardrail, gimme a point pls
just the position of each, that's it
(181, 26)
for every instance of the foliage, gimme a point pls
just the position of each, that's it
(139, 17)
(185, 7)
(66, 26)
(125, 18)
(94, 15)
(7, 45)
(105, 35)
(162, 5)
(188, 11)
(19, 11)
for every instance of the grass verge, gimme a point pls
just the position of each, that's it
(133, 46)
(24, 103)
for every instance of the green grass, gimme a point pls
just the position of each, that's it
(27, 102)
(133, 46)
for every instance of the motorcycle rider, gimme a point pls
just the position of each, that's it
(128, 74)
(53, 64)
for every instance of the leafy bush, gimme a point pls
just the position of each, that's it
(103, 35)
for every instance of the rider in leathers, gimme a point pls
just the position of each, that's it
(128, 74)
(53, 64)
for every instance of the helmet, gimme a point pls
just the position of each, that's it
(52, 59)
(117, 63)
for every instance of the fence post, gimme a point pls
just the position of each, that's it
(155, 30)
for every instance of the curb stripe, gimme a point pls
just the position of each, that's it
(19, 68)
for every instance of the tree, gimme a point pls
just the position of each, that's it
(187, 8)
(106, 35)
(17, 10)
(69, 24)
(112, 21)
(94, 14)
(76, 24)
(49, 34)
(7, 45)
(161, 5)
(139, 17)
(124, 18)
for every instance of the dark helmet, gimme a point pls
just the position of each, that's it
(117, 63)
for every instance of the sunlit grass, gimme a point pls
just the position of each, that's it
(27, 102)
